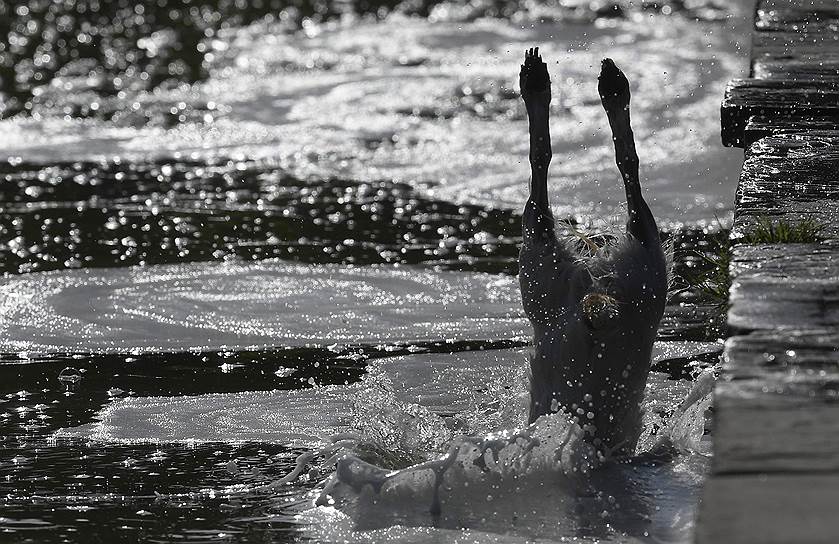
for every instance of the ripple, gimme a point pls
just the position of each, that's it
(477, 391)
(202, 306)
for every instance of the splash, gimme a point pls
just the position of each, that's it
(427, 446)
(452, 489)
(410, 467)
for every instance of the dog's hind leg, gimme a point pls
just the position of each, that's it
(614, 94)
(542, 255)
(538, 221)
(551, 281)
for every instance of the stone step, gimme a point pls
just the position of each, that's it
(775, 474)
(761, 126)
(823, 68)
(778, 409)
(769, 509)
(805, 55)
(745, 98)
(792, 177)
(796, 40)
(784, 286)
(797, 15)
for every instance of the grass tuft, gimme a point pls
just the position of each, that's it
(783, 232)
(715, 284)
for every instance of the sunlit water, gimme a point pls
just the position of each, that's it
(427, 101)
(303, 248)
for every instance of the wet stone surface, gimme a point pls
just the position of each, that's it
(782, 383)
(745, 98)
(761, 126)
(776, 411)
(791, 177)
(784, 286)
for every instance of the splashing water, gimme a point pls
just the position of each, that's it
(405, 466)
(321, 127)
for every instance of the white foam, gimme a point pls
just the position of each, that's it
(286, 417)
(535, 481)
(206, 306)
(438, 383)
(413, 408)
(475, 392)
(314, 102)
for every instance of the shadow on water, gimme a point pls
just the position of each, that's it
(112, 214)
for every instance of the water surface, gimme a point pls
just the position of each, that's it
(230, 234)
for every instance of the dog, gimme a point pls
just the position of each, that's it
(594, 317)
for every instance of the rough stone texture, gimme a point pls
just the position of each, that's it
(793, 15)
(771, 67)
(794, 69)
(745, 98)
(778, 408)
(775, 475)
(793, 176)
(761, 126)
(777, 509)
(784, 286)
(795, 33)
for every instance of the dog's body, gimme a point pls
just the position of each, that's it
(595, 320)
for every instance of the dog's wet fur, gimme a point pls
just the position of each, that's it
(594, 318)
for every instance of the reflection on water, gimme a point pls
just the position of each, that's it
(428, 101)
(190, 478)
(110, 489)
(117, 214)
(189, 482)
(56, 487)
(76, 493)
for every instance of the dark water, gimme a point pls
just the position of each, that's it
(70, 215)
(64, 490)
(74, 215)
(84, 214)
(112, 214)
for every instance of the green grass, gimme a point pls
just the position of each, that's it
(715, 284)
(783, 232)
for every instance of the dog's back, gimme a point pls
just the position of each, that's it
(594, 327)
(594, 321)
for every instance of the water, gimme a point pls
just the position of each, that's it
(270, 232)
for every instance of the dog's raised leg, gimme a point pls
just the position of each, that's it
(549, 285)
(541, 252)
(536, 91)
(614, 95)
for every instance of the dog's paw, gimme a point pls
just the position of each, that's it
(613, 86)
(534, 80)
